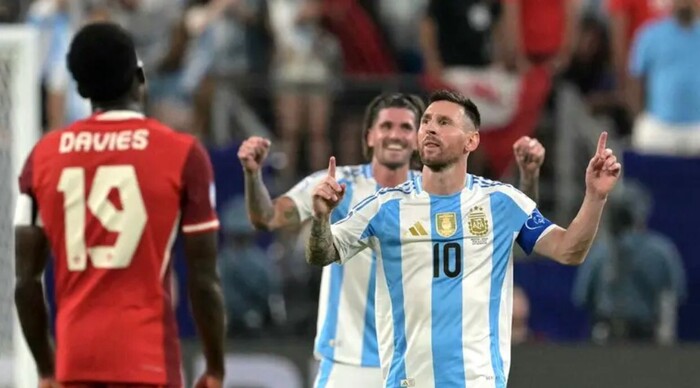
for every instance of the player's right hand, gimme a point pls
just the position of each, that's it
(328, 193)
(208, 381)
(253, 152)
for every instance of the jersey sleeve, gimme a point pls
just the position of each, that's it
(351, 234)
(523, 217)
(198, 192)
(300, 194)
(27, 209)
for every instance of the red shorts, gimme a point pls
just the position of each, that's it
(109, 385)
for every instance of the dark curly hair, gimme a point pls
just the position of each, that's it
(102, 59)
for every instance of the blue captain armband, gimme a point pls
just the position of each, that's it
(532, 230)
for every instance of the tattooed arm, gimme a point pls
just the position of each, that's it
(320, 249)
(264, 213)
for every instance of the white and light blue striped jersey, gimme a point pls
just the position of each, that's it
(346, 330)
(444, 278)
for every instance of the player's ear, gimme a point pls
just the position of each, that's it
(472, 141)
(370, 140)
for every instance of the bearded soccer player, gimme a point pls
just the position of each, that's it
(107, 195)
(346, 338)
(444, 295)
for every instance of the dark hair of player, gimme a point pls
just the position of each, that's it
(470, 108)
(102, 59)
(384, 101)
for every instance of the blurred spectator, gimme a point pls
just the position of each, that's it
(665, 81)
(302, 72)
(458, 33)
(56, 21)
(540, 31)
(400, 19)
(633, 278)
(365, 52)
(626, 18)
(252, 284)
(228, 37)
(590, 70)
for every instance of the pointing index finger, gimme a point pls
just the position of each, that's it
(331, 167)
(602, 140)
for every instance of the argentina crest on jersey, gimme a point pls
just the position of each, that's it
(446, 224)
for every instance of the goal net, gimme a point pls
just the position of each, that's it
(19, 130)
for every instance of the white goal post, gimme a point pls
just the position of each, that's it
(20, 115)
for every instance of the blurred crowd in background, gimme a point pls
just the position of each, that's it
(301, 71)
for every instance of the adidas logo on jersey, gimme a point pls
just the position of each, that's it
(416, 230)
(408, 383)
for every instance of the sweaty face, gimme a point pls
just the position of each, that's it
(445, 135)
(393, 137)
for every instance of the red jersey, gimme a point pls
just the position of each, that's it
(111, 192)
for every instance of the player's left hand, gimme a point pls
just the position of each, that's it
(208, 381)
(529, 154)
(603, 170)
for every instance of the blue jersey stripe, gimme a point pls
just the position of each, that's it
(370, 348)
(448, 358)
(390, 248)
(370, 345)
(324, 373)
(507, 218)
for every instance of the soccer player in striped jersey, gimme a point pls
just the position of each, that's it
(346, 341)
(443, 245)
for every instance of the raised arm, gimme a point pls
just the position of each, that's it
(570, 246)
(529, 155)
(263, 212)
(320, 249)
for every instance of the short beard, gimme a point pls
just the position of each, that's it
(438, 166)
(393, 165)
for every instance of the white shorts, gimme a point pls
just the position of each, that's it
(335, 375)
(653, 136)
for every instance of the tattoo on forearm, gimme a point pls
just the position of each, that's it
(320, 249)
(258, 199)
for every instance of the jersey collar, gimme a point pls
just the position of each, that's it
(118, 115)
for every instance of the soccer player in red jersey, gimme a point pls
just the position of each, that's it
(108, 195)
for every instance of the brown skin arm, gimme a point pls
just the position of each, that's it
(31, 257)
(206, 298)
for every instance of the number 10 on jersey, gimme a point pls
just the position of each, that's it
(447, 259)
(129, 222)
